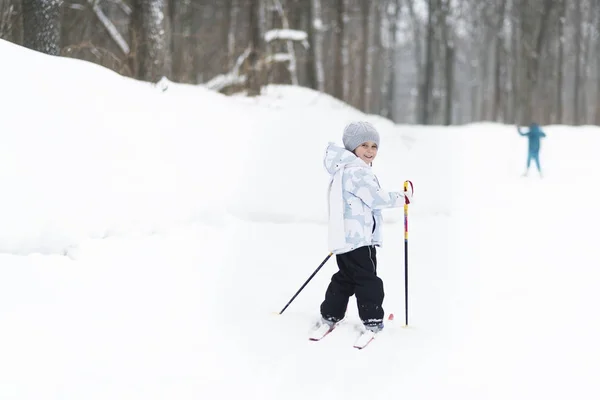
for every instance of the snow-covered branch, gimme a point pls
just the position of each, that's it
(287, 34)
(126, 9)
(231, 78)
(110, 27)
(279, 57)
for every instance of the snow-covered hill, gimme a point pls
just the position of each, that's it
(149, 235)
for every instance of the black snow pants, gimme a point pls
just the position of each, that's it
(357, 275)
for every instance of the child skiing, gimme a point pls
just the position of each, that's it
(355, 226)
(534, 135)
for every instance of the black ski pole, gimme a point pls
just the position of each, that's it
(306, 283)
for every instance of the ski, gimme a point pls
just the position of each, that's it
(367, 336)
(364, 339)
(320, 331)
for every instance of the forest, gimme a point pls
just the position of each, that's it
(431, 62)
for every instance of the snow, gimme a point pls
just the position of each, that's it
(220, 82)
(280, 57)
(285, 34)
(148, 238)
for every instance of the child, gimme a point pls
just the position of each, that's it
(355, 222)
(533, 152)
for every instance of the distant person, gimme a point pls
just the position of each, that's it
(534, 135)
(355, 226)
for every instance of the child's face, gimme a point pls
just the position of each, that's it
(366, 152)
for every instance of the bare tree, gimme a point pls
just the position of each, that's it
(499, 51)
(448, 41)
(417, 37)
(10, 20)
(596, 119)
(151, 53)
(282, 60)
(534, 20)
(254, 80)
(365, 12)
(391, 11)
(588, 37)
(41, 25)
(316, 74)
(182, 41)
(97, 31)
(427, 89)
(486, 35)
(578, 51)
(560, 64)
(452, 61)
(338, 69)
(377, 89)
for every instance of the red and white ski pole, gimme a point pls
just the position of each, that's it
(406, 203)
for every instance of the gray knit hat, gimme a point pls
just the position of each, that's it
(356, 133)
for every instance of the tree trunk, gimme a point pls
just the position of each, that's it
(232, 46)
(418, 57)
(377, 84)
(213, 37)
(225, 32)
(484, 71)
(448, 46)
(318, 65)
(587, 44)
(390, 85)
(254, 81)
(429, 67)
(42, 25)
(449, 85)
(312, 71)
(17, 22)
(498, 60)
(595, 109)
(364, 71)
(151, 53)
(577, 82)
(182, 42)
(11, 26)
(338, 69)
(515, 34)
(534, 24)
(560, 66)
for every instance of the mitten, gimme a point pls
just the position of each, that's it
(408, 191)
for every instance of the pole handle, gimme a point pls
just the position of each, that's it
(406, 183)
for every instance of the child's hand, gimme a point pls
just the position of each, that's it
(408, 191)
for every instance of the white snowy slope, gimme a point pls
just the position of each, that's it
(148, 238)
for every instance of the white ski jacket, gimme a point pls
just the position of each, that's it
(355, 201)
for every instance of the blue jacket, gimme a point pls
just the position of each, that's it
(355, 202)
(534, 135)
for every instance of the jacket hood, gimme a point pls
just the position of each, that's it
(336, 157)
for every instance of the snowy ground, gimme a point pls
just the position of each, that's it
(149, 237)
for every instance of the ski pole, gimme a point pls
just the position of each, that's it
(306, 283)
(406, 253)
